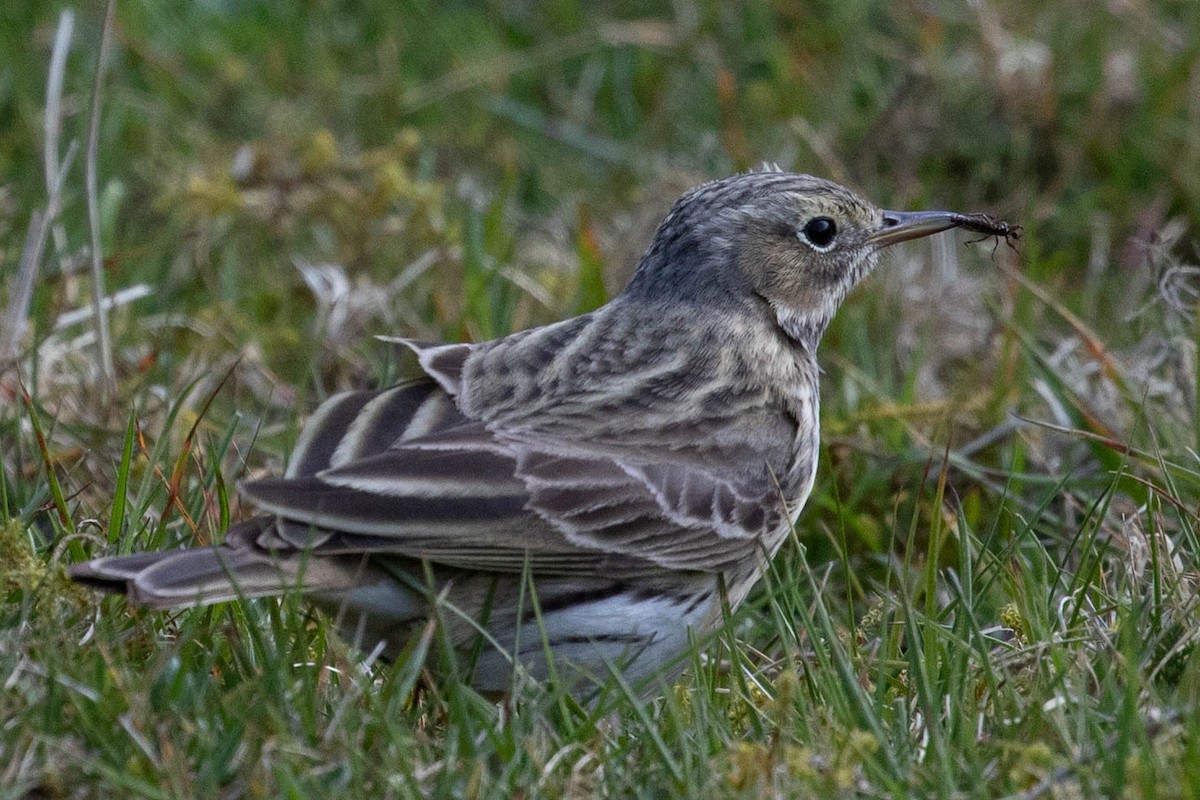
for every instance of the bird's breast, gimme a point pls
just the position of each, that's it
(804, 408)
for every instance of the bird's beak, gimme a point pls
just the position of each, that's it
(900, 226)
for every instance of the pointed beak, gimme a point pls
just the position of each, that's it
(900, 226)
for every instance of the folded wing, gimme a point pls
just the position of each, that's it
(403, 471)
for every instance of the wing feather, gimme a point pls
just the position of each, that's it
(324, 432)
(356, 425)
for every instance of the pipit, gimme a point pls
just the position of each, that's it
(596, 489)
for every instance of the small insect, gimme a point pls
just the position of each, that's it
(990, 226)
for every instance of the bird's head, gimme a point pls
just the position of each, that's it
(794, 243)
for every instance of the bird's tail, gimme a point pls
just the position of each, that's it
(238, 568)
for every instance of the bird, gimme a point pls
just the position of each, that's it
(578, 498)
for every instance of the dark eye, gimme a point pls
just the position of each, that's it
(820, 232)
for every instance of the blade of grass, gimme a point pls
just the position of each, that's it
(116, 516)
(176, 480)
(56, 492)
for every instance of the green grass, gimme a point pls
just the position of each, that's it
(993, 589)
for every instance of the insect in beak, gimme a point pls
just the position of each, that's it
(901, 226)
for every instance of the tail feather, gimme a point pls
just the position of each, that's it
(368, 603)
(113, 573)
(239, 568)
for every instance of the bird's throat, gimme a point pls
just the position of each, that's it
(803, 327)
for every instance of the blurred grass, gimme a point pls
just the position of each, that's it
(974, 606)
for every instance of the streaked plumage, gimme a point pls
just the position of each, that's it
(628, 460)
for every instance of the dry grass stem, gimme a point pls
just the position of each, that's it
(16, 314)
(103, 339)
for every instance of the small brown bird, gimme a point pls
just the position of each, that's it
(588, 488)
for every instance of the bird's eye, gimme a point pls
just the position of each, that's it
(820, 232)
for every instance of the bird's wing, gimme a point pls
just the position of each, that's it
(403, 471)
(464, 498)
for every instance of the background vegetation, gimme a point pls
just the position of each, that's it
(992, 591)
